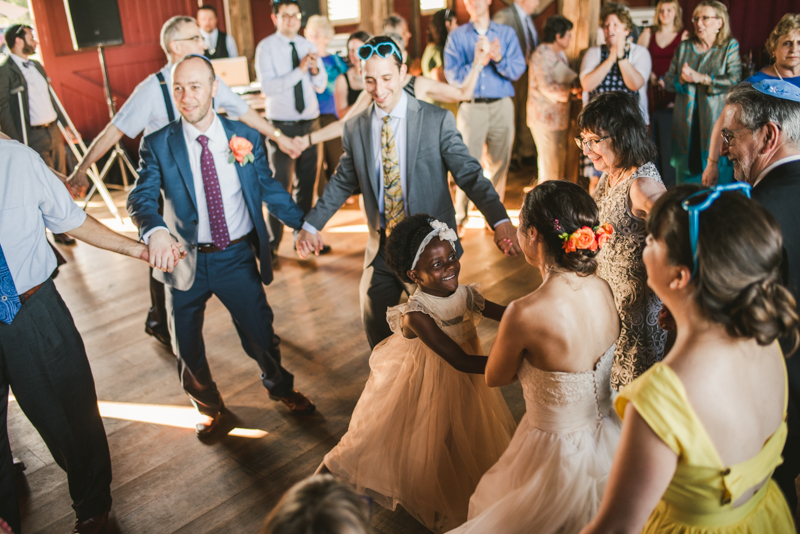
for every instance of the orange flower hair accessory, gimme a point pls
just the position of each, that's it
(586, 238)
(241, 151)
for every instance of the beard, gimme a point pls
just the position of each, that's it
(28, 49)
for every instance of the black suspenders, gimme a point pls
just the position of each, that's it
(167, 100)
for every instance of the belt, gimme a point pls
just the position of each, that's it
(305, 121)
(43, 126)
(484, 100)
(29, 293)
(211, 247)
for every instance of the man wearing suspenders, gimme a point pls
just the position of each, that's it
(150, 108)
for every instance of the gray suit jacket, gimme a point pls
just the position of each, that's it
(434, 148)
(11, 78)
(510, 17)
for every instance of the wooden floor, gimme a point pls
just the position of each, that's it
(165, 480)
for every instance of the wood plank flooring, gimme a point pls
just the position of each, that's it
(165, 480)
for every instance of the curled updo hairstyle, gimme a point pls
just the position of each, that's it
(319, 505)
(573, 208)
(739, 253)
(404, 241)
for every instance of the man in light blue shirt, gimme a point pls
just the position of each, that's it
(291, 76)
(488, 119)
(42, 356)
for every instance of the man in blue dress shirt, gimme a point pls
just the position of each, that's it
(488, 119)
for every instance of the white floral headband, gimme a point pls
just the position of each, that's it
(440, 230)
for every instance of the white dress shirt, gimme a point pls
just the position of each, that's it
(766, 171)
(236, 214)
(145, 110)
(641, 61)
(40, 107)
(31, 198)
(211, 42)
(278, 78)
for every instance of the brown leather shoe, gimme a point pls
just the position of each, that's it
(93, 525)
(205, 430)
(296, 402)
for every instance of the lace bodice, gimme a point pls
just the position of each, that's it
(641, 340)
(563, 402)
(457, 315)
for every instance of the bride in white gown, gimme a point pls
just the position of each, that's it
(559, 342)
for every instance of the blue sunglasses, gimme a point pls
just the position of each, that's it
(384, 50)
(695, 209)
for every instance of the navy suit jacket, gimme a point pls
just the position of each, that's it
(164, 166)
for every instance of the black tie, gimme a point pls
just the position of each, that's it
(299, 102)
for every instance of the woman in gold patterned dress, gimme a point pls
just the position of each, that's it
(615, 138)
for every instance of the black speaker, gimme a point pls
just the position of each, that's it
(308, 8)
(94, 23)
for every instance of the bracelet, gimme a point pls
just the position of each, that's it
(712, 160)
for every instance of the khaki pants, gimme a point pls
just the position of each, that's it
(492, 126)
(551, 146)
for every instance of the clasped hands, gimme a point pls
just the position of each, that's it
(163, 252)
(486, 51)
(689, 75)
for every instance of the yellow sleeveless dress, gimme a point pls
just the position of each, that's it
(698, 500)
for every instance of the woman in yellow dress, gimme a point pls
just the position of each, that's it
(703, 430)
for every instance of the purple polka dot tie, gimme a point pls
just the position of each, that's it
(216, 212)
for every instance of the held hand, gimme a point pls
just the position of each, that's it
(78, 183)
(300, 144)
(306, 243)
(287, 145)
(495, 51)
(160, 252)
(505, 237)
(305, 63)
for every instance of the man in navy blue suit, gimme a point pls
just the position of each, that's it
(214, 176)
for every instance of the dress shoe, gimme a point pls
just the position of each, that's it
(296, 402)
(326, 249)
(157, 331)
(206, 429)
(64, 239)
(19, 465)
(93, 525)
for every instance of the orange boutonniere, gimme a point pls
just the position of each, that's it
(241, 151)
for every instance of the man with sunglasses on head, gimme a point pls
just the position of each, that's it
(291, 75)
(24, 78)
(488, 119)
(761, 137)
(151, 107)
(398, 152)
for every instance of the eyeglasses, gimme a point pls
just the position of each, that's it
(591, 144)
(695, 209)
(384, 50)
(194, 38)
(731, 134)
(704, 18)
(287, 17)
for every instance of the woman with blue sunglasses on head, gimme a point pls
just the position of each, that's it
(703, 430)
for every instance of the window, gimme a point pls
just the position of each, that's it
(431, 6)
(344, 11)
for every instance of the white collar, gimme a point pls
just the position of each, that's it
(296, 39)
(400, 110)
(766, 171)
(521, 13)
(215, 132)
(18, 60)
(212, 33)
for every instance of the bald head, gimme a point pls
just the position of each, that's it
(194, 87)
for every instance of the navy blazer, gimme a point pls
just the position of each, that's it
(164, 166)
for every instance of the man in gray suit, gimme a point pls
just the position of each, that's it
(422, 142)
(519, 16)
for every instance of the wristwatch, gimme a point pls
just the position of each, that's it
(276, 134)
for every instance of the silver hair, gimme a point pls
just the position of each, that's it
(171, 29)
(757, 109)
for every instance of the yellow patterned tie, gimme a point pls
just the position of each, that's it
(393, 211)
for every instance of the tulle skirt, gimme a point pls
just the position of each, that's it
(422, 434)
(545, 482)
